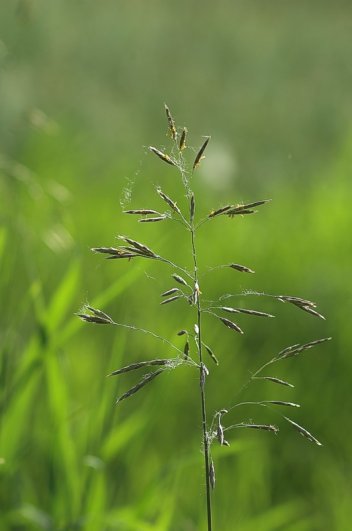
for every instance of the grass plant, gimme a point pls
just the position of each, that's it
(187, 290)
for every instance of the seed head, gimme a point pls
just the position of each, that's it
(182, 144)
(163, 156)
(231, 324)
(172, 126)
(179, 279)
(199, 155)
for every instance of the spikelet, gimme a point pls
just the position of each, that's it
(294, 350)
(186, 350)
(139, 246)
(245, 209)
(170, 292)
(241, 268)
(192, 208)
(140, 364)
(231, 325)
(211, 354)
(280, 403)
(144, 381)
(305, 433)
(179, 279)
(99, 313)
(171, 299)
(232, 210)
(168, 200)
(97, 317)
(219, 211)
(265, 427)
(242, 310)
(203, 374)
(152, 220)
(303, 304)
(220, 431)
(212, 474)
(199, 155)
(273, 379)
(182, 144)
(171, 122)
(114, 253)
(142, 212)
(163, 156)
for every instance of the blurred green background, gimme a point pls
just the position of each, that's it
(82, 88)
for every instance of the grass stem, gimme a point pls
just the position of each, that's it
(202, 385)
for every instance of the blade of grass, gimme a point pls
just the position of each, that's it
(62, 298)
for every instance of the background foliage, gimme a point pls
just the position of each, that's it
(82, 85)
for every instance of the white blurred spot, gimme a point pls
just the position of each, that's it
(58, 239)
(59, 192)
(41, 121)
(93, 462)
(219, 168)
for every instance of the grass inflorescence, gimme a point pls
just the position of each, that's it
(187, 287)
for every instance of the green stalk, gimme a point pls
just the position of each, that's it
(202, 390)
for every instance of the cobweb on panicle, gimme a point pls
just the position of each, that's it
(126, 195)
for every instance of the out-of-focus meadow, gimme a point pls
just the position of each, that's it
(82, 88)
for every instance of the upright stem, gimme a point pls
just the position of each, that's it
(202, 384)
